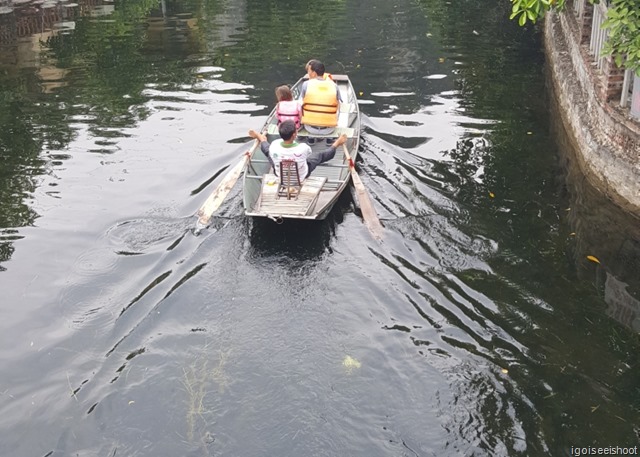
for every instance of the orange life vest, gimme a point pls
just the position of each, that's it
(320, 103)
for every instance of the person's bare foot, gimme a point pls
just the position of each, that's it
(342, 139)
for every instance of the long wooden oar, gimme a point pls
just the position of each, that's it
(366, 206)
(220, 193)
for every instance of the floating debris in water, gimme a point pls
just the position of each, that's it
(435, 76)
(593, 259)
(350, 363)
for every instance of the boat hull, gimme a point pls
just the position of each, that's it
(321, 190)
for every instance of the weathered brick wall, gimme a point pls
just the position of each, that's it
(585, 24)
(613, 77)
(608, 140)
(608, 79)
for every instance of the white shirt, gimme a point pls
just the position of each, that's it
(279, 151)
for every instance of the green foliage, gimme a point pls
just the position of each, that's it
(532, 10)
(623, 22)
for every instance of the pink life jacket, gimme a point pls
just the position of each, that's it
(288, 110)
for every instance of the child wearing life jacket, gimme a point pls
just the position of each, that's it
(287, 108)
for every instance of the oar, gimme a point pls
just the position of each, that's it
(366, 206)
(220, 193)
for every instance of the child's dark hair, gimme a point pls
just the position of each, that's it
(283, 93)
(286, 130)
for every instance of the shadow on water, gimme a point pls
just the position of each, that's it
(296, 239)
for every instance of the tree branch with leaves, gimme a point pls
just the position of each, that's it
(623, 24)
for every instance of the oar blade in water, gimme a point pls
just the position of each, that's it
(220, 193)
(366, 205)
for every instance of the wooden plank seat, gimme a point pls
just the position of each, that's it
(347, 107)
(273, 130)
(303, 205)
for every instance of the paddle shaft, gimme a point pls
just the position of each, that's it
(222, 190)
(366, 205)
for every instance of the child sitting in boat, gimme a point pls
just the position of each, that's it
(287, 108)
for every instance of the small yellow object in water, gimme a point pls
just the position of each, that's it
(492, 195)
(593, 259)
(350, 363)
(505, 371)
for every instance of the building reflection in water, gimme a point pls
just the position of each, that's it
(604, 239)
(25, 28)
(622, 306)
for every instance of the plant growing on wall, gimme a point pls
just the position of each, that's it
(623, 23)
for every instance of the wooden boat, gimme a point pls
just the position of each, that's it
(320, 191)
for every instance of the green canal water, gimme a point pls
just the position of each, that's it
(498, 317)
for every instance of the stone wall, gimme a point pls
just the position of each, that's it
(607, 139)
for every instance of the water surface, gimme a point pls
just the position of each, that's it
(479, 326)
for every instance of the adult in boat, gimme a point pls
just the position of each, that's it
(326, 73)
(287, 148)
(320, 100)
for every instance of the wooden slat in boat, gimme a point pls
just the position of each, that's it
(273, 130)
(276, 206)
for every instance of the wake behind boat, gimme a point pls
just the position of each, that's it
(264, 195)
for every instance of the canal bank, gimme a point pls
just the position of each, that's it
(607, 139)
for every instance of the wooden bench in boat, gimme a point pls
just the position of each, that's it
(273, 130)
(343, 120)
(273, 205)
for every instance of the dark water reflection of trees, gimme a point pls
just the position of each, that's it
(147, 40)
(496, 188)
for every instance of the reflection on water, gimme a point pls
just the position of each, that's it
(296, 240)
(605, 241)
(477, 327)
(622, 306)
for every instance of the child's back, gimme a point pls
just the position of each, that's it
(287, 108)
